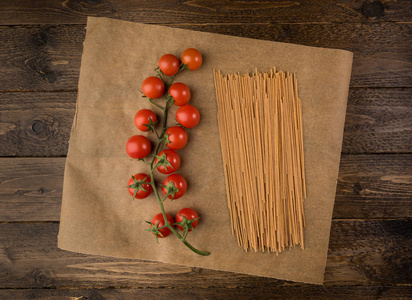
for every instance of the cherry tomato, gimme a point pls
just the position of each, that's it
(169, 64)
(143, 118)
(173, 158)
(179, 182)
(177, 137)
(140, 193)
(180, 93)
(188, 116)
(192, 58)
(153, 87)
(159, 218)
(189, 214)
(138, 146)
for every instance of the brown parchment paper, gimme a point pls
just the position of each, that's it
(98, 215)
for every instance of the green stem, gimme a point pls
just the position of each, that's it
(159, 143)
(151, 101)
(147, 163)
(171, 80)
(158, 136)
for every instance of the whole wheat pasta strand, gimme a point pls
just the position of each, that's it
(260, 127)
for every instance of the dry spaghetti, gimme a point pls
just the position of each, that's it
(260, 124)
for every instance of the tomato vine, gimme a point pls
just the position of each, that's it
(157, 161)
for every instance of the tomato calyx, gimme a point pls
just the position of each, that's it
(155, 229)
(187, 225)
(184, 67)
(151, 126)
(171, 190)
(162, 161)
(165, 139)
(170, 98)
(137, 185)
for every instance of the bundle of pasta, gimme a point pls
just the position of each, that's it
(260, 124)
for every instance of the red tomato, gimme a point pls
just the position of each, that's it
(153, 87)
(140, 193)
(180, 93)
(138, 146)
(143, 118)
(169, 64)
(188, 116)
(177, 137)
(160, 221)
(189, 214)
(192, 58)
(173, 158)
(179, 182)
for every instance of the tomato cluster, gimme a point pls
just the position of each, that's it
(154, 87)
(186, 220)
(166, 161)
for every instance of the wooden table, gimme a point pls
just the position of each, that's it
(370, 244)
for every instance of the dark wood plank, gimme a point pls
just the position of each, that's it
(260, 292)
(31, 189)
(374, 186)
(378, 121)
(48, 57)
(38, 123)
(369, 186)
(204, 11)
(360, 253)
(40, 57)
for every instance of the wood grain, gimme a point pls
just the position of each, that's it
(374, 186)
(36, 124)
(369, 186)
(40, 57)
(378, 121)
(360, 253)
(48, 58)
(31, 189)
(39, 123)
(204, 11)
(265, 292)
